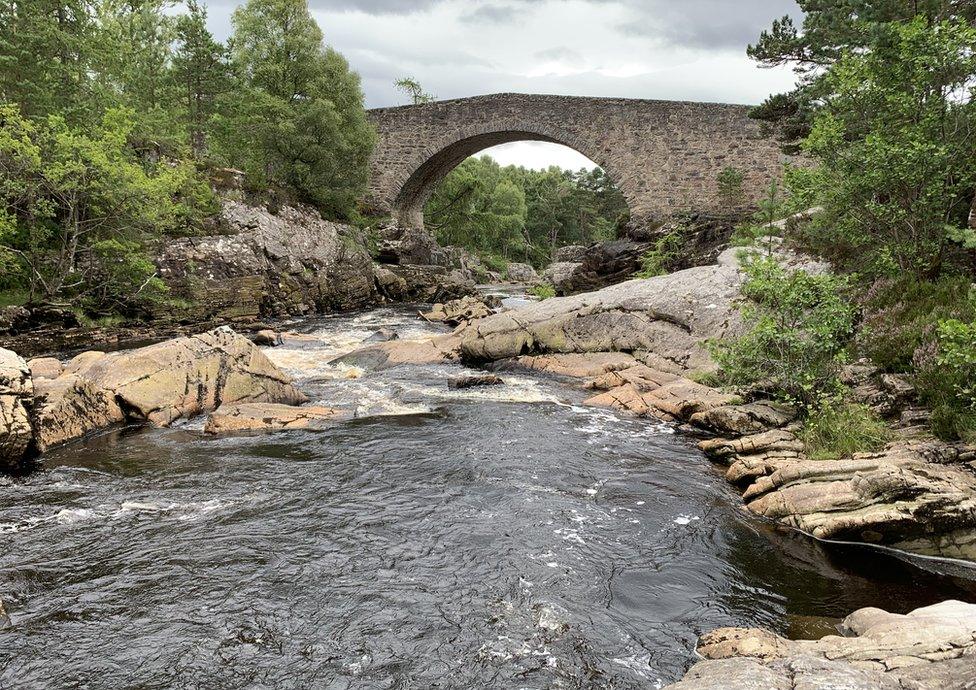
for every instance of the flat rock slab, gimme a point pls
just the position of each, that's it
(251, 417)
(931, 648)
(670, 316)
(574, 365)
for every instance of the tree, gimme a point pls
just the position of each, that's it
(830, 31)
(894, 138)
(46, 56)
(80, 209)
(201, 70)
(413, 89)
(298, 121)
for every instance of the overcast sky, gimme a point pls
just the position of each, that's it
(668, 49)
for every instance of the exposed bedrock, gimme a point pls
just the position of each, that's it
(662, 321)
(158, 384)
(930, 648)
(263, 263)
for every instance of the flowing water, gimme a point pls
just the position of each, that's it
(503, 537)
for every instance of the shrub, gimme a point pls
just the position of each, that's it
(656, 260)
(730, 187)
(901, 316)
(544, 291)
(799, 326)
(945, 377)
(834, 429)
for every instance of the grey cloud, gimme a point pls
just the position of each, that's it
(560, 53)
(492, 14)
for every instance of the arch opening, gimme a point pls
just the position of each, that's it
(517, 204)
(416, 190)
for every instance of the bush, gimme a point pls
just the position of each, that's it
(945, 377)
(544, 291)
(835, 429)
(799, 326)
(902, 315)
(657, 260)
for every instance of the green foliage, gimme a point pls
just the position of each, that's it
(413, 89)
(945, 376)
(891, 130)
(901, 315)
(657, 260)
(834, 429)
(798, 327)
(544, 291)
(730, 187)
(298, 121)
(523, 214)
(80, 209)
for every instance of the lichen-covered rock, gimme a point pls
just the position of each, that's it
(560, 274)
(930, 648)
(16, 389)
(574, 365)
(571, 253)
(188, 376)
(70, 407)
(438, 350)
(522, 273)
(669, 316)
(424, 283)
(292, 262)
(251, 417)
(459, 311)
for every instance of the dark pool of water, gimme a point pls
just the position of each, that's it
(497, 538)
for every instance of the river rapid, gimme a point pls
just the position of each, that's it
(502, 537)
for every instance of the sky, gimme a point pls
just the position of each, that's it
(666, 49)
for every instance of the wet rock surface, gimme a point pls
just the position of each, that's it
(930, 648)
(461, 311)
(473, 381)
(265, 417)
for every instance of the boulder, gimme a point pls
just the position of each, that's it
(45, 368)
(669, 317)
(459, 311)
(473, 381)
(14, 319)
(187, 376)
(266, 338)
(16, 389)
(70, 407)
(575, 365)
(250, 417)
(930, 648)
(522, 273)
(401, 244)
(561, 275)
(423, 283)
(382, 335)
(603, 264)
(439, 350)
(292, 262)
(571, 253)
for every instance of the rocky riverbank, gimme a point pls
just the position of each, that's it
(930, 648)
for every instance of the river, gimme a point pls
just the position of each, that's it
(503, 537)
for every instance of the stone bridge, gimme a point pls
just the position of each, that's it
(665, 156)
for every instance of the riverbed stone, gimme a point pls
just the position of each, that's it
(438, 350)
(187, 376)
(69, 407)
(250, 417)
(575, 365)
(459, 311)
(930, 648)
(522, 273)
(16, 389)
(919, 496)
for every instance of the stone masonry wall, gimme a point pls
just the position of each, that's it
(664, 156)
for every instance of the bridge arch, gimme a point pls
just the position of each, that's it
(664, 156)
(429, 168)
